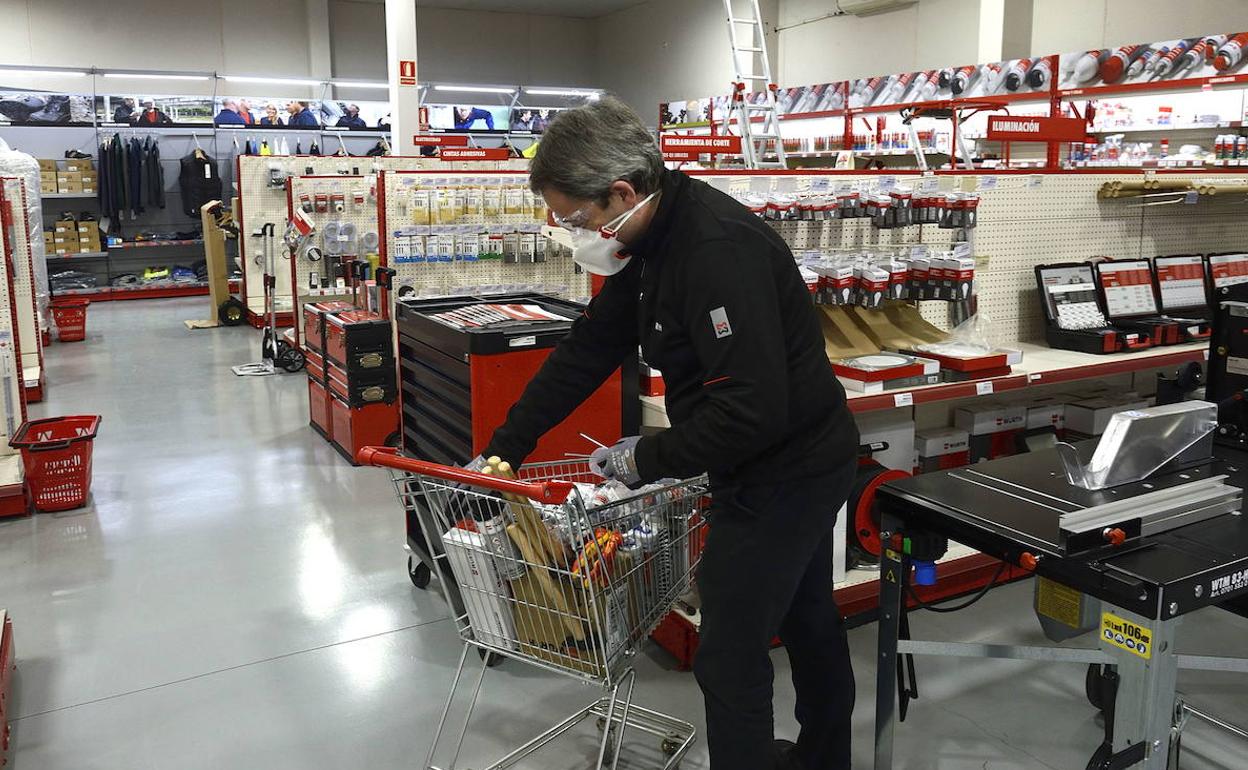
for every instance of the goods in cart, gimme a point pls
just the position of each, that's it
(555, 568)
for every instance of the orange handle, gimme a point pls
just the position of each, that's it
(554, 492)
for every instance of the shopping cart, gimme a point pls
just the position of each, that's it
(535, 571)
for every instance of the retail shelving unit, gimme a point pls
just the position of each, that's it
(20, 223)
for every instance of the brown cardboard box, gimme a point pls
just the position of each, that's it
(87, 229)
(90, 177)
(65, 229)
(78, 165)
(47, 176)
(68, 176)
(47, 187)
(47, 164)
(69, 186)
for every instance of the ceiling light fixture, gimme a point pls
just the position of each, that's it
(275, 81)
(152, 76)
(476, 89)
(359, 84)
(587, 93)
(66, 73)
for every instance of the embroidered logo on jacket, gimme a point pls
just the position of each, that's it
(719, 322)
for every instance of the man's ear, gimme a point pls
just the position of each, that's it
(624, 189)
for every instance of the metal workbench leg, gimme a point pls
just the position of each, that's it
(1144, 709)
(893, 571)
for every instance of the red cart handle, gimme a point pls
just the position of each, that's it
(554, 492)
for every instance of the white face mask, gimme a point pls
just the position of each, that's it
(598, 251)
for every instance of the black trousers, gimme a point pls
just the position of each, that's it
(767, 570)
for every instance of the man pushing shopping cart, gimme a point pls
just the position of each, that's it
(714, 299)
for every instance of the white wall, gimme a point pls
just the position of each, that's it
(1062, 26)
(931, 34)
(209, 35)
(510, 48)
(665, 50)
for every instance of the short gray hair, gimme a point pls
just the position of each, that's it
(586, 150)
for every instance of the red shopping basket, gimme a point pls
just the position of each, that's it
(70, 314)
(56, 453)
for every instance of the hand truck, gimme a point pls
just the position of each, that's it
(535, 572)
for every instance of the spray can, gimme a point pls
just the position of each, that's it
(1231, 53)
(897, 88)
(945, 77)
(1141, 63)
(872, 87)
(1199, 53)
(993, 75)
(1039, 75)
(1087, 67)
(1016, 74)
(1166, 64)
(963, 78)
(1116, 65)
(929, 89)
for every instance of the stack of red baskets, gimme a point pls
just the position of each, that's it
(56, 454)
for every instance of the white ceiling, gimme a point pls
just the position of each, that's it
(584, 9)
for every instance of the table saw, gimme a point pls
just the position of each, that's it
(1138, 555)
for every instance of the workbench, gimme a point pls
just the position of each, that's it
(1146, 573)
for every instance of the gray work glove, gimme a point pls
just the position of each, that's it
(618, 462)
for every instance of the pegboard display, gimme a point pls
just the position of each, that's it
(1024, 220)
(344, 211)
(261, 189)
(17, 225)
(450, 231)
(12, 401)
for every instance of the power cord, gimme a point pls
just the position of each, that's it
(955, 608)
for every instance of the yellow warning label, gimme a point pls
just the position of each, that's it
(890, 576)
(1125, 635)
(1059, 602)
(892, 555)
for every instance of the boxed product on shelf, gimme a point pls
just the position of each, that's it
(875, 373)
(942, 448)
(993, 428)
(893, 428)
(69, 181)
(47, 182)
(77, 165)
(90, 181)
(1047, 412)
(47, 165)
(1090, 416)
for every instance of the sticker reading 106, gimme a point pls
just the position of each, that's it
(1125, 635)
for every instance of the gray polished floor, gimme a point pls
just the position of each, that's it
(236, 597)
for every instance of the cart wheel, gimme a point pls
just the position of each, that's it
(491, 659)
(292, 360)
(1100, 757)
(1092, 686)
(419, 572)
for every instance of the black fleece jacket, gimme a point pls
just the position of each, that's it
(714, 298)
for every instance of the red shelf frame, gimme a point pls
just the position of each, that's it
(1055, 96)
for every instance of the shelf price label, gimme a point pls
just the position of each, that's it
(983, 388)
(903, 399)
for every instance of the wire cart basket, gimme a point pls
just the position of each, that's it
(540, 569)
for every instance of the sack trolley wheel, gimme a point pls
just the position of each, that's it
(231, 313)
(289, 358)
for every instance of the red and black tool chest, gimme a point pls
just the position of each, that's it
(457, 382)
(352, 377)
(314, 314)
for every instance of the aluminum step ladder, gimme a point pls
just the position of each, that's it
(752, 74)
